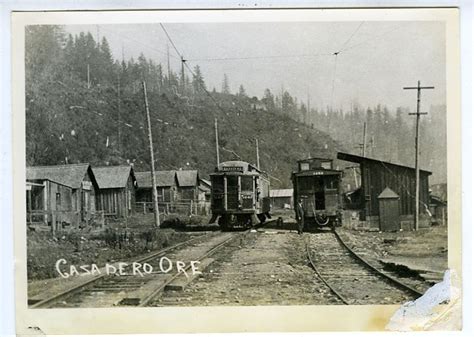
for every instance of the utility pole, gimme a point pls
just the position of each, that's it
(183, 81)
(258, 154)
(88, 77)
(364, 140)
(217, 141)
(308, 115)
(168, 62)
(118, 112)
(152, 159)
(418, 88)
(362, 146)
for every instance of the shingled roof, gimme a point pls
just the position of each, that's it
(70, 175)
(187, 178)
(163, 179)
(112, 176)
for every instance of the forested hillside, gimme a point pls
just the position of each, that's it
(82, 105)
(101, 120)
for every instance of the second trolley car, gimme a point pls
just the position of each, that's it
(318, 185)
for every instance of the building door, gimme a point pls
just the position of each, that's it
(389, 211)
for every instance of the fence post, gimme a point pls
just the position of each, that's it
(191, 208)
(53, 223)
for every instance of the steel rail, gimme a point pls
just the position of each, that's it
(364, 263)
(75, 289)
(211, 251)
(44, 303)
(376, 270)
(313, 265)
(162, 286)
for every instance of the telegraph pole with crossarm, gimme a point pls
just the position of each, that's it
(417, 169)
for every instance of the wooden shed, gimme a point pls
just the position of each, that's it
(188, 185)
(282, 198)
(376, 175)
(166, 185)
(117, 189)
(62, 194)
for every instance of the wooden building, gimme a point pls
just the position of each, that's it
(188, 185)
(376, 176)
(166, 185)
(179, 191)
(116, 194)
(204, 190)
(282, 198)
(61, 194)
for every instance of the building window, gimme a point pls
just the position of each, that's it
(326, 165)
(58, 199)
(304, 166)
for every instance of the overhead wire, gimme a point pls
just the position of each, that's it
(139, 42)
(371, 38)
(352, 35)
(257, 57)
(335, 60)
(184, 61)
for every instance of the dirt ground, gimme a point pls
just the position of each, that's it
(115, 243)
(424, 251)
(266, 268)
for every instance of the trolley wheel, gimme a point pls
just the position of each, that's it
(321, 219)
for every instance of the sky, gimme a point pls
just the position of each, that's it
(375, 60)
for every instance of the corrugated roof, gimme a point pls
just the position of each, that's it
(187, 178)
(283, 193)
(163, 179)
(70, 175)
(112, 176)
(387, 193)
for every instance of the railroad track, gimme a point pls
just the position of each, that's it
(134, 289)
(351, 278)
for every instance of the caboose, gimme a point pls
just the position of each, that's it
(240, 194)
(318, 185)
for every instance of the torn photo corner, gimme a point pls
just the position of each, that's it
(191, 166)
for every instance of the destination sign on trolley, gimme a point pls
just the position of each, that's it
(233, 168)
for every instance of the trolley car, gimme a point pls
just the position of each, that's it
(240, 195)
(318, 185)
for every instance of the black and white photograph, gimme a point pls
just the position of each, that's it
(237, 163)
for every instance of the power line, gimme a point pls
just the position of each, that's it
(257, 57)
(334, 77)
(184, 61)
(137, 41)
(350, 38)
(371, 38)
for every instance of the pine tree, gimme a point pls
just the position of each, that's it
(242, 92)
(225, 85)
(198, 81)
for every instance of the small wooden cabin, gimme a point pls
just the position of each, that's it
(188, 185)
(166, 185)
(62, 194)
(117, 189)
(282, 198)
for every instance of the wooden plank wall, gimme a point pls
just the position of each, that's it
(118, 202)
(377, 176)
